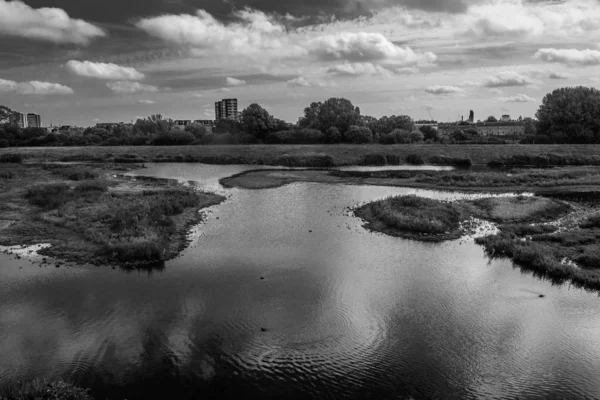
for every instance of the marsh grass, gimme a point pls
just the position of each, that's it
(129, 227)
(43, 390)
(455, 161)
(413, 214)
(77, 173)
(414, 159)
(314, 160)
(55, 195)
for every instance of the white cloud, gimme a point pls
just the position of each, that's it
(569, 56)
(520, 98)
(364, 47)
(355, 69)
(521, 18)
(407, 70)
(125, 87)
(34, 87)
(7, 86)
(235, 82)
(144, 101)
(48, 24)
(265, 37)
(438, 89)
(507, 78)
(198, 95)
(496, 91)
(308, 82)
(109, 71)
(224, 90)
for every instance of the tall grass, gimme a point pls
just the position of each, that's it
(14, 158)
(43, 390)
(55, 195)
(77, 173)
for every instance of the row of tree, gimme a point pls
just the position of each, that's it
(567, 115)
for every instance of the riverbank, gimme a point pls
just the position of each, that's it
(94, 215)
(41, 389)
(540, 181)
(340, 154)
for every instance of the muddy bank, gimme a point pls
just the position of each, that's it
(96, 215)
(543, 182)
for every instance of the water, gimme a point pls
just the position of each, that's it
(340, 312)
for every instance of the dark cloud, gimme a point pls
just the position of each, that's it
(312, 10)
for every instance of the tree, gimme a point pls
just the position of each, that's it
(491, 118)
(155, 123)
(400, 135)
(430, 133)
(333, 135)
(386, 124)
(359, 134)
(529, 126)
(340, 113)
(310, 120)
(458, 135)
(257, 121)
(416, 137)
(198, 130)
(571, 115)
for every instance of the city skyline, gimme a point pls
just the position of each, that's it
(82, 64)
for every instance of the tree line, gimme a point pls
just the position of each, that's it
(566, 115)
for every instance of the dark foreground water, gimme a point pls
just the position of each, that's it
(340, 312)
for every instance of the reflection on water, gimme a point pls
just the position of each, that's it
(283, 293)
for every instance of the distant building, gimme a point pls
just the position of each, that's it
(205, 122)
(501, 128)
(226, 109)
(471, 116)
(505, 118)
(34, 120)
(108, 125)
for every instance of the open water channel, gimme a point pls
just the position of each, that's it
(283, 294)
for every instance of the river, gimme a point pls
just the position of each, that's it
(282, 293)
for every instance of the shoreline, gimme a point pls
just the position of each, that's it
(28, 224)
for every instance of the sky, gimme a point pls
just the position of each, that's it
(83, 62)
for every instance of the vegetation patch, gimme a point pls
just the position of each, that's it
(14, 158)
(414, 159)
(315, 160)
(447, 160)
(413, 217)
(517, 208)
(43, 390)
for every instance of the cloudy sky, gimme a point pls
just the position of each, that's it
(80, 62)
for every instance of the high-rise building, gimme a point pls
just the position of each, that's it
(34, 120)
(471, 116)
(226, 109)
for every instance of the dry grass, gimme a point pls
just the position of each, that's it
(518, 209)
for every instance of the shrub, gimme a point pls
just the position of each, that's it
(416, 137)
(373, 159)
(392, 159)
(77, 173)
(414, 159)
(456, 161)
(49, 196)
(4, 143)
(14, 158)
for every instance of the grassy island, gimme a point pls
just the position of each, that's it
(413, 217)
(542, 235)
(90, 214)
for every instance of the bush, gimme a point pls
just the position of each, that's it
(416, 137)
(49, 196)
(91, 186)
(414, 159)
(373, 159)
(4, 143)
(174, 138)
(456, 161)
(14, 158)
(296, 136)
(77, 173)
